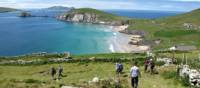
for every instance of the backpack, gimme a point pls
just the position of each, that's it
(121, 67)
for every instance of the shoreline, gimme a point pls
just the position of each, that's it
(119, 43)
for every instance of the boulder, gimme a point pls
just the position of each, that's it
(95, 80)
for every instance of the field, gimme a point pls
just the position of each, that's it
(75, 74)
(80, 72)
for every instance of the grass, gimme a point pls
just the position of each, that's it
(74, 74)
(193, 57)
(170, 35)
(190, 17)
(79, 73)
(170, 29)
(175, 33)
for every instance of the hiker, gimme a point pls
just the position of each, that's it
(60, 71)
(178, 70)
(152, 66)
(146, 64)
(134, 74)
(119, 68)
(53, 72)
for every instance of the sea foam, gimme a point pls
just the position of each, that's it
(111, 48)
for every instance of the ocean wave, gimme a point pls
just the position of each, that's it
(115, 34)
(111, 48)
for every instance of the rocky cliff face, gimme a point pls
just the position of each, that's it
(88, 18)
(80, 17)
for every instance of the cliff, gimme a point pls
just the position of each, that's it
(87, 15)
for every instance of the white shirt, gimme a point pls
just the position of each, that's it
(134, 71)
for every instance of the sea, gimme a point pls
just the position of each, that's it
(21, 36)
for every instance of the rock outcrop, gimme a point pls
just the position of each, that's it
(25, 14)
(141, 33)
(80, 17)
(97, 17)
(193, 75)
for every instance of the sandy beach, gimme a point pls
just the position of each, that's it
(119, 43)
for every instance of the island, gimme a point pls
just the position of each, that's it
(5, 9)
(25, 14)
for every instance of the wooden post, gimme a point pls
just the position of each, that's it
(186, 60)
(199, 57)
(183, 58)
(173, 57)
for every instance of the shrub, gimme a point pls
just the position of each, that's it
(160, 63)
(169, 74)
(185, 81)
(31, 81)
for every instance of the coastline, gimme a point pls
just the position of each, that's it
(119, 43)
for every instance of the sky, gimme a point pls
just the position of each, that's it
(162, 5)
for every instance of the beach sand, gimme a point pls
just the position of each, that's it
(119, 43)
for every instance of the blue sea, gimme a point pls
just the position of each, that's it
(144, 14)
(19, 36)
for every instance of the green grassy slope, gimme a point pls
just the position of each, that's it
(190, 17)
(170, 29)
(4, 9)
(75, 74)
(79, 73)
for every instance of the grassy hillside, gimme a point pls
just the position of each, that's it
(170, 29)
(4, 9)
(79, 73)
(38, 77)
(190, 17)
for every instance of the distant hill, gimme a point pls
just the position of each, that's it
(59, 8)
(5, 9)
(50, 12)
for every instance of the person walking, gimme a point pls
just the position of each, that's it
(152, 66)
(135, 74)
(60, 71)
(119, 68)
(53, 73)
